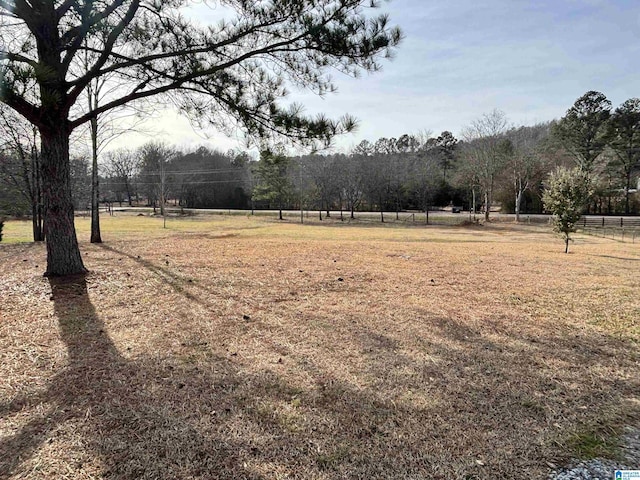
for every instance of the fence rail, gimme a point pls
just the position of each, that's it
(617, 228)
(603, 222)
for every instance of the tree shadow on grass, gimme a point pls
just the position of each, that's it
(429, 405)
(195, 416)
(127, 413)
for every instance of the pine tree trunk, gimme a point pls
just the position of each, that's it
(63, 253)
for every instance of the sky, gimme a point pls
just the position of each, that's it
(461, 59)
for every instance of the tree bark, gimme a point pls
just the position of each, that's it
(487, 205)
(518, 202)
(63, 253)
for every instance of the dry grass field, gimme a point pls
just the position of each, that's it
(233, 348)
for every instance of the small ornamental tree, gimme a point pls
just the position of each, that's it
(565, 197)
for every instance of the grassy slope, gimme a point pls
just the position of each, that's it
(243, 348)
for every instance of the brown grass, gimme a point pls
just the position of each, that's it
(242, 348)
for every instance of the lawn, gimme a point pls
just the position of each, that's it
(232, 347)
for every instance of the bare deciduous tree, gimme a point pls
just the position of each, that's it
(486, 152)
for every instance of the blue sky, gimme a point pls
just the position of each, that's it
(462, 58)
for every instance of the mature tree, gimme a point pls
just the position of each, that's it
(486, 151)
(365, 148)
(20, 164)
(407, 144)
(121, 167)
(565, 197)
(583, 130)
(321, 169)
(80, 182)
(624, 134)
(274, 185)
(424, 178)
(350, 181)
(105, 127)
(375, 180)
(525, 164)
(230, 75)
(446, 144)
(399, 163)
(155, 160)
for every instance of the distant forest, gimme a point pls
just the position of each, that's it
(492, 163)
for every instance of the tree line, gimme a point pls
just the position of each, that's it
(492, 164)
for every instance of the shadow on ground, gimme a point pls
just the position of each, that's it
(478, 403)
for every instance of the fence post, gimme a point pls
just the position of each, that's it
(602, 222)
(621, 222)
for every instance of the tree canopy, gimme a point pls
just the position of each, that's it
(236, 70)
(583, 130)
(232, 75)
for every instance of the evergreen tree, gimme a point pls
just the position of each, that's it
(583, 130)
(565, 197)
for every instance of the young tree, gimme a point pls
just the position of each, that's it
(565, 197)
(583, 130)
(231, 75)
(624, 134)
